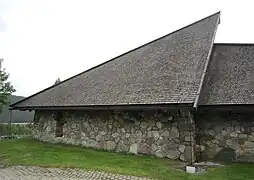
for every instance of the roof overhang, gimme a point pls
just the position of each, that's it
(108, 107)
(227, 107)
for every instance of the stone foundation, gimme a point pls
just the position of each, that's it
(227, 136)
(160, 133)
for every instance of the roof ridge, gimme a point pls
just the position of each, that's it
(206, 66)
(72, 77)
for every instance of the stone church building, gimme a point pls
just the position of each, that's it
(181, 96)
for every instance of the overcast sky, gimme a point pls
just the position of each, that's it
(43, 40)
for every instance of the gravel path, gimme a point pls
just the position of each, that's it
(39, 173)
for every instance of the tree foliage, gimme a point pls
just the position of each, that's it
(57, 81)
(6, 88)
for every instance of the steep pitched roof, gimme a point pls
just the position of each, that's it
(166, 70)
(230, 75)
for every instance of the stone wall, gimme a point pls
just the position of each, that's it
(160, 133)
(227, 136)
(223, 136)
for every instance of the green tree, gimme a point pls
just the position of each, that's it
(6, 87)
(57, 81)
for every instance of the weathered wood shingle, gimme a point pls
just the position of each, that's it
(230, 75)
(166, 70)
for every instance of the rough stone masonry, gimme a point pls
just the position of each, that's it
(159, 133)
(227, 135)
(224, 136)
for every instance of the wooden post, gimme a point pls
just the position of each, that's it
(10, 119)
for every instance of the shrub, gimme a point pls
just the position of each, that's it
(16, 129)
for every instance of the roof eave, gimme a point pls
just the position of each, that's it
(227, 107)
(108, 107)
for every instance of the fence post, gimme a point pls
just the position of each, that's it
(10, 116)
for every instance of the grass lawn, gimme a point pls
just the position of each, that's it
(30, 152)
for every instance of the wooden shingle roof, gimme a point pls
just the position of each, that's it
(165, 71)
(230, 75)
